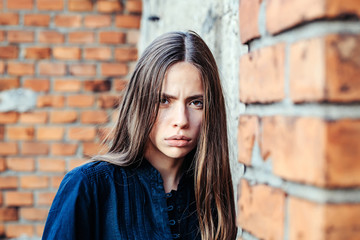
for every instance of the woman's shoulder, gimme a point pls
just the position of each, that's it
(94, 171)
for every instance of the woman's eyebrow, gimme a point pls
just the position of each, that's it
(165, 95)
(196, 96)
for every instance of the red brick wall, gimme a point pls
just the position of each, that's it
(299, 135)
(77, 56)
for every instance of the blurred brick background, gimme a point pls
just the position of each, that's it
(76, 55)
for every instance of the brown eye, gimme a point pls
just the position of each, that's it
(164, 101)
(197, 103)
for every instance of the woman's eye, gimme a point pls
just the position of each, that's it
(164, 101)
(197, 103)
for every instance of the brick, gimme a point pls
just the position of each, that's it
(342, 153)
(126, 54)
(2, 132)
(38, 85)
(9, 83)
(37, 53)
(80, 101)
(97, 21)
(94, 117)
(64, 149)
(34, 148)
(331, 150)
(51, 165)
(114, 69)
(9, 52)
(97, 85)
(8, 214)
(82, 133)
(33, 117)
(342, 67)
(80, 5)
(261, 211)
(33, 214)
(108, 101)
(2, 36)
(282, 15)
(38, 20)
(13, 198)
(67, 53)
(52, 69)
(8, 182)
(20, 69)
(63, 116)
(8, 117)
(50, 101)
(21, 164)
(120, 84)
(20, 133)
(2, 67)
(3, 167)
(45, 198)
(20, 36)
(51, 37)
(17, 230)
(9, 19)
(52, 5)
(76, 163)
(262, 75)
(67, 85)
(70, 21)
(50, 133)
(284, 139)
(81, 37)
(307, 70)
(82, 69)
(322, 221)
(34, 182)
(109, 6)
(55, 181)
(249, 19)
(112, 37)
(8, 148)
(248, 135)
(128, 21)
(100, 53)
(134, 6)
(92, 149)
(20, 4)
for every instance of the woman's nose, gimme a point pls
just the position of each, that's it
(180, 116)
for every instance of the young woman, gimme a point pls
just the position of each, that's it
(167, 174)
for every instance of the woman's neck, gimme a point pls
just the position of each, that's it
(170, 170)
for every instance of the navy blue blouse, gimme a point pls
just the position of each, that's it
(99, 200)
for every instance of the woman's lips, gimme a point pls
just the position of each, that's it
(178, 141)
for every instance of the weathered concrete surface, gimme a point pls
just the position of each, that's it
(216, 21)
(20, 100)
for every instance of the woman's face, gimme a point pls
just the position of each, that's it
(177, 126)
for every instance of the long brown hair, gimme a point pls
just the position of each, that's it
(137, 114)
